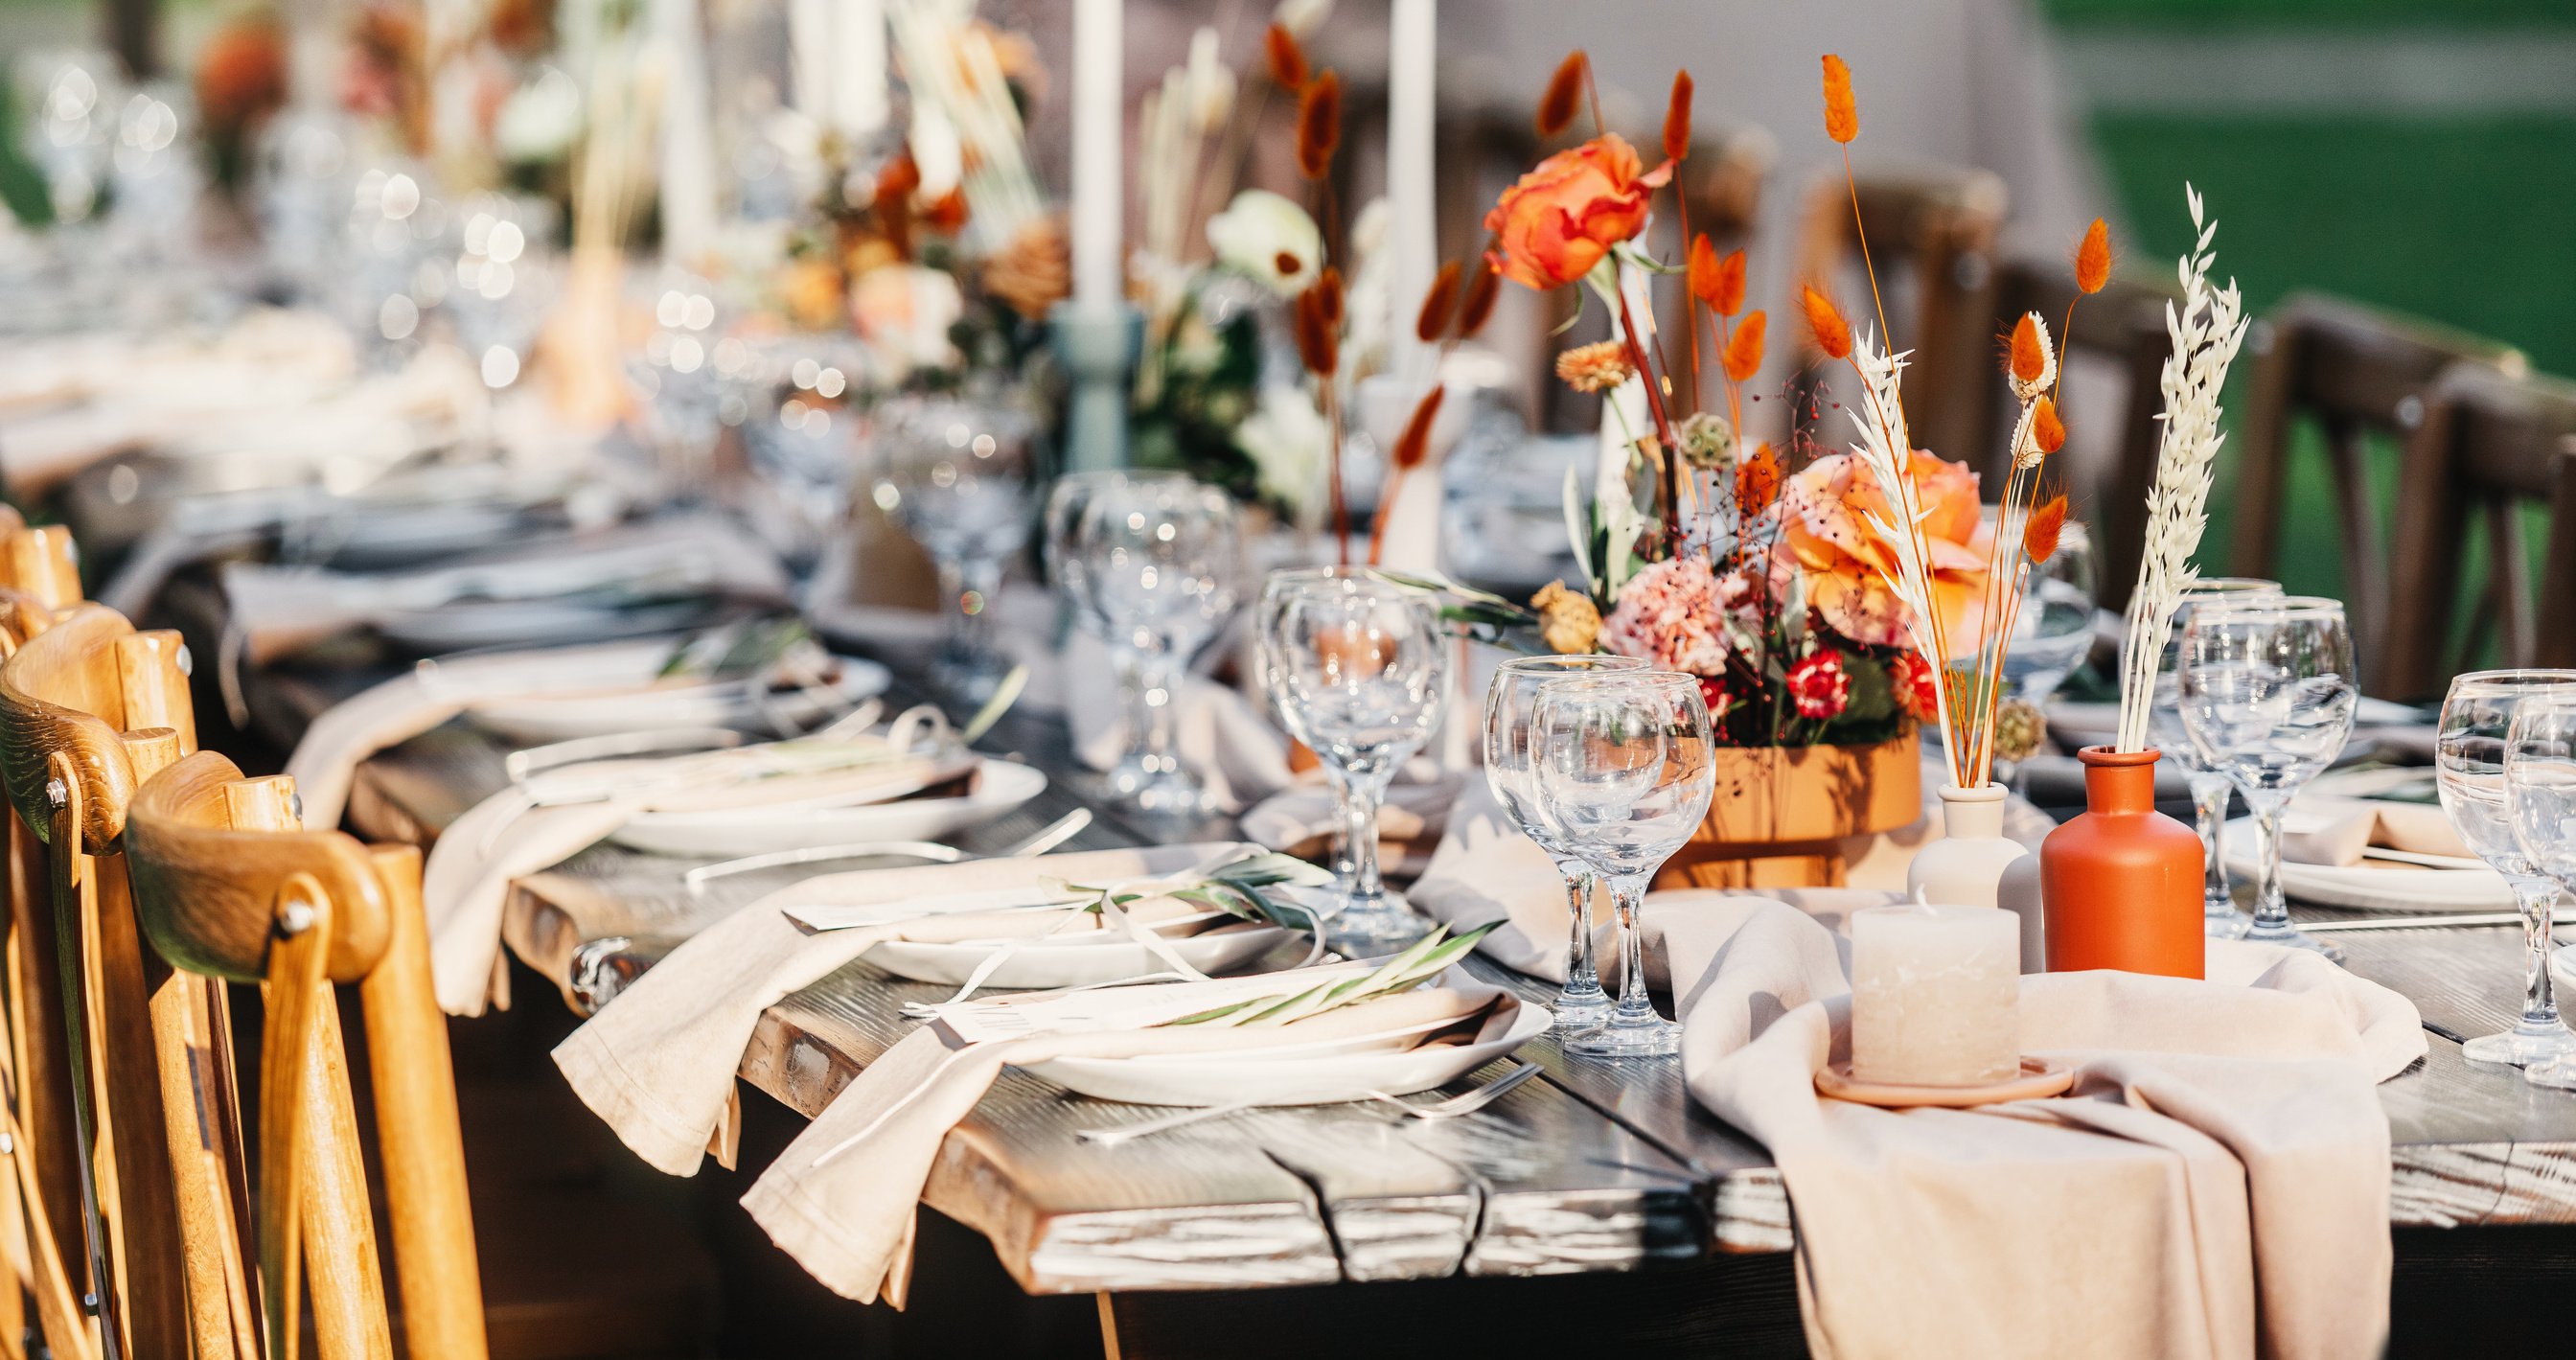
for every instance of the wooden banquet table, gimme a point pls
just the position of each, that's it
(1593, 1169)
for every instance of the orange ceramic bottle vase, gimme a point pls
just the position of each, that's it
(2122, 882)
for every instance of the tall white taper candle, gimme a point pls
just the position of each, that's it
(1412, 40)
(1099, 128)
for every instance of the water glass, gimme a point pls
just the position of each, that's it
(2540, 804)
(2267, 692)
(2469, 760)
(1358, 669)
(1626, 767)
(1061, 548)
(1511, 771)
(2210, 788)
(955, 475)
(1161, 561)
(2053, 633)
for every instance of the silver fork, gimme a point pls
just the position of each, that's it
(1464, 1103)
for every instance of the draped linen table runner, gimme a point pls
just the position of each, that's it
(2214, 1186)
(842, 1198)
(658, 1061)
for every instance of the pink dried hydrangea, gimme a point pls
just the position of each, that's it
(1669, 614)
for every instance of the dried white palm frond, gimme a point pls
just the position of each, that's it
(1886, 450)
(2206, 329)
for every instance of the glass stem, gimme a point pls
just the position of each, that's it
(1582, 978)
(1628, 896)
(1128, 664)
(2538, 898)
(1158, 689)
(1366, 789)
(1346, 869)
(2271, 909)
(2209, 815)
(969, 583)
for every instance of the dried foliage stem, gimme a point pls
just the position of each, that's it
(1664, 434)
(2206, 328)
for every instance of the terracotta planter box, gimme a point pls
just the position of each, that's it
(1781, 813)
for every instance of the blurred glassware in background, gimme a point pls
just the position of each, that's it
(71, 128)
(1162, 563)
(1064, 545)
(2055, 629)
(506, 277)
(302, 189)
(2210, 788)
(675, 374)
(796, 402)
(390, 273)
(955, 473)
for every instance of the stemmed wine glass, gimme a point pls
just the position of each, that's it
(1511, 770)
(2055, 629)
(1358, 669)
(2471, 756)
(956, 476)
(1625, 773)
(1062, 549)
(2268, 689)
(1161, 559)
(2210, 788)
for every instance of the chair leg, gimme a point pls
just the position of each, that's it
(185, 1011)
(297, 995)
(339, 1228)
(49, 1168)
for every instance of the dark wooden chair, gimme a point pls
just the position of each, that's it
(2359, 375)
(1932, 232)
(2489, 448)
(2110, 458)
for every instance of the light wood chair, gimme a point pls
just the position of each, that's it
(1932, 232)
(2489, 446)
(227, 884)
(2358, 375)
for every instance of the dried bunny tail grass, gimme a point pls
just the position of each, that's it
(1677, 118)
(1842, 112)
(1757, 480)
(1825, 321)
(1318, 335)
(1319, 124)
(1484, 289)
(1439, 304)
(2048, 429)
(2093, 257)
(1744, 348)
(1702, 270)
(1415, 443)
(2047, 524)
(1564, 94)
(1288, 69)
(2029, 361)
(2206, 327)
(1328, 291)
(1730, 285)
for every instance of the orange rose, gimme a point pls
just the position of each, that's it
(1562, 217)
(241, 75)
(1826, 540)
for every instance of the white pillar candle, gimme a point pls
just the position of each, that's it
(1412, 38)
(1099, 125)
(688, 168)
(809, 58)
(1935, 992)
(859, 67)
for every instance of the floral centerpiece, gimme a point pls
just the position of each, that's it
(1828, 601)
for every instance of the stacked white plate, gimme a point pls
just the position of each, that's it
(759, 829)
(2378, 884)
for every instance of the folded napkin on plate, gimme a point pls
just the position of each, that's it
(658, 1061)
(273, 610)
(1300, 820)
(2318, 828)
(1485, 869)
(2216, 1185)
(466, 880)
(841, 1198)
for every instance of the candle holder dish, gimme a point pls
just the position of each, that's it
(2039, 1078)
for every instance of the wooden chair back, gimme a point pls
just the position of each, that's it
(228, 884)
(2117, 336)
(2489, 447)
(2355, 374)
(1932, 232)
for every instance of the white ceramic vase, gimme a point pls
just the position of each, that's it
(1964, 866)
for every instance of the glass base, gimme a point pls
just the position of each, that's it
(1168, 794)
(2560, 1075)
(1383, 926)
(2294, 938)
(2223, 921)
(968, 680)
(2522, 1046)
(1655, 1038)
(1580, 1010)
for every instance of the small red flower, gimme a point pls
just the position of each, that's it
(1819, 685)
(1714, 694)
(1912, 678)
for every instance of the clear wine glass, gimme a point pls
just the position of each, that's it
(2470, 755)
(2268, 690)
(1162, 562)
(1358, 669)
(2210, 788)
(2054, 631)
(1062, 550)
(1626, 767)
(1511, 771)
(955, 475)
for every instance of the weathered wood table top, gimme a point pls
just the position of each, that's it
(1594, 1167)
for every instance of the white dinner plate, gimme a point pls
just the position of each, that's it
(1084, 960)
(727, 833)
(542, 719)
(1290, 1079)
(471, 624)
(2375, 885)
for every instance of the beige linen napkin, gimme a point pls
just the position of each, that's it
(658, 1061)
(1300, 820)
(2215, 1186)
(841, 1198)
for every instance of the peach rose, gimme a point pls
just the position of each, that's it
(1562, 217)
(1845, 564)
